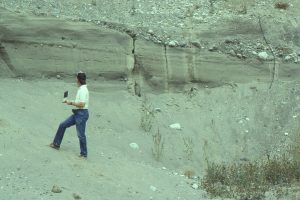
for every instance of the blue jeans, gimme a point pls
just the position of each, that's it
(79, 118)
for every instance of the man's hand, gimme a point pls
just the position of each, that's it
(69, 102)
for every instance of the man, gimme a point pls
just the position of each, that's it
(79, 117)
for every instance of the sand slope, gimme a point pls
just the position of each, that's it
(225, 124)
(30, 113)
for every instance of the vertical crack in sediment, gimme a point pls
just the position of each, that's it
(167, 67)
(133, 45)
(136, 70)
(191, 63)
(5, 57)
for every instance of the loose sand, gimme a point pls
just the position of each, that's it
(223, 123)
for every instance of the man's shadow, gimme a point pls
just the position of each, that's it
(3, 53)
(5, 57)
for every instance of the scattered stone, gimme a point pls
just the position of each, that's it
(195, 186)
(288, 58)
(213, 48)
(196, 44)
(58, 76)
(56, 189)
(173, 43)
(175, 126)
(150, 31)
(154, 189)
(244, 159)
(76, 196)
(239, 55)
(232, 41)
(157, 110)
(74, 45)
(94, 2)
(286, 133)
(232, 52)
(263, 55)
(183, 45)
(134, 146)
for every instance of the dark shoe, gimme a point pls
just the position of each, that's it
(83, 156)
(54, 146)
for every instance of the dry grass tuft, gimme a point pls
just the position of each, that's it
(158, 145)
(190, 174)
(252, 179)
(147, 115)
(281, 5)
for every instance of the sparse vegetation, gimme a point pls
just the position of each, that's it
(211, 8)
(94, 2)
(252, 179)
(281, 5)
(133, 8)
(189, 147)
(158, 145)
(190, 174)
(192, 92)
(147, 116)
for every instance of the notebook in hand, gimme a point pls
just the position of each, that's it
(65, 96)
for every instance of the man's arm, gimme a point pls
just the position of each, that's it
(78, 104)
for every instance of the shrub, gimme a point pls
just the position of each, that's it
(189, 147)
(158, 146)
(250, 180)
(147, 117)
(281, 5)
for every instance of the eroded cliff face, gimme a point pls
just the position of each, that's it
(46, 46)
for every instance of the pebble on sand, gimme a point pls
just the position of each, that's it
(56, 189)
(76, 196)
(153, 188)
(173, 43)
(195, 186)
(134, 145)
(263, 55)
(175, 126)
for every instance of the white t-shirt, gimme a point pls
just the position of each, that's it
(83, 96)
